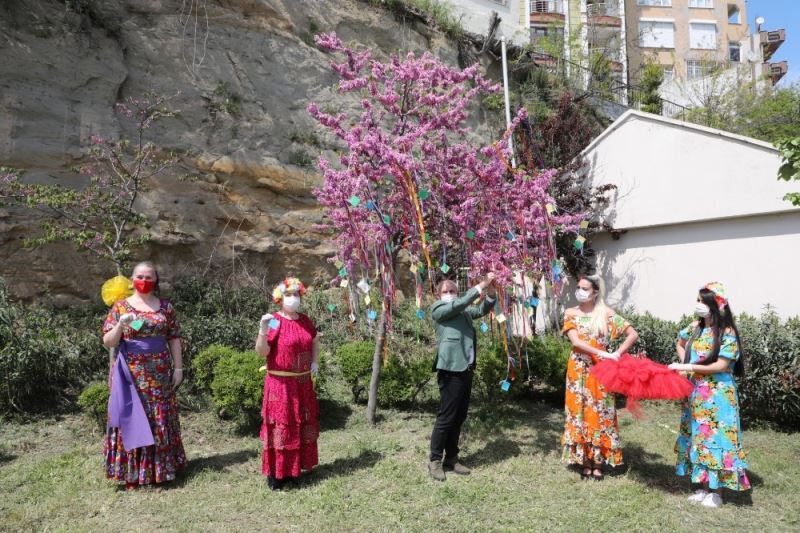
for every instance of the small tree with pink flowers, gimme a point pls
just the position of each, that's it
(101, 218)
(412, 180)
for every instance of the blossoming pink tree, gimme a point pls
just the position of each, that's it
(412, 180)
(101, 218)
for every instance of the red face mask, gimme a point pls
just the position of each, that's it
(144, 286)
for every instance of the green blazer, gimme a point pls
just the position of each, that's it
(454, 331)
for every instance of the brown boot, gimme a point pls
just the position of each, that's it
(456, 468)
(436, 471)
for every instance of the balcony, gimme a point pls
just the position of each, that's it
(603, 13)
(547, 11)
(775, 71)
(611, 54)
(771, 41)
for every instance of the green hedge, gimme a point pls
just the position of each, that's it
(238, 388)
(93, 401)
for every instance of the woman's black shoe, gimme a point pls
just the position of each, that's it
(274, 484)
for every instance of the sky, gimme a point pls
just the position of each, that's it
(780, 14)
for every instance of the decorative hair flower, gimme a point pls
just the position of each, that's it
(288, 284)
(719, 293)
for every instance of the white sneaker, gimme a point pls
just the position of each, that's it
(712, 500)
(698, 496)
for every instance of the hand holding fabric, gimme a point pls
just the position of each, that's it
(263, 325)
(126, 319)
(177, 378)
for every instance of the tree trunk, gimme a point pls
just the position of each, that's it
(377, 364)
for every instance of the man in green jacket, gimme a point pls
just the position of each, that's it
(455, 362)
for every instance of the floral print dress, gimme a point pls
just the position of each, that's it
(709, 444)
(152, 374)
(591, 432)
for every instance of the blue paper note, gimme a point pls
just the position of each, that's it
(535, 301)
(370, 205)
(420, 314)
(505, 385)
(371, 314)
(274, 323)
(484, 327)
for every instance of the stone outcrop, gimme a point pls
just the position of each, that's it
(242, 72)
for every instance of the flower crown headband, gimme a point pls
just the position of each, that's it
(719, 293)
(288, 284)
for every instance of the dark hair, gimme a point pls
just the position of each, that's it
(591, 278)
(719, 321)
(149, 264)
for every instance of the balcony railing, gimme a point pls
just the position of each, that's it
(547, 6)
(771, 41)
(609, 8)
(776, 71)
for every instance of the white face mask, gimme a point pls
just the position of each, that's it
(582, 295)
(702, 310)
(448, 298)
(291, 303)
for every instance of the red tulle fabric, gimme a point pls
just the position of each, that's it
(640, 378)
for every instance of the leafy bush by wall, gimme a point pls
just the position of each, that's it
(93, 401)
(238, 388)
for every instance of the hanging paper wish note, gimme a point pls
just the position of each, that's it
(339, 264)
(526, 304)
(505, 385)
(371, 315)
(534, 301)
(363, 286)
(470, 235)
(331, 307)
(579, 242)
(386, 219)
(500, 318)
(484, 327)
(584, 224)
(274, 323)
(424, 194)
(413, 268)
(420, 314)
(343, 272)
(137, 324)
(370, 205)
(550, 209)
(344, 283)
(355, 200)
(367, 300)
(445, 268)
(530, 311)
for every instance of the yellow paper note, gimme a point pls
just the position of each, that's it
(550, 209)
(530, 311)
(367, 299)
(413, 268)
(584, 224)
(500, 318)
(343, 284)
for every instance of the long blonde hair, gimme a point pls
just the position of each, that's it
(598, 324)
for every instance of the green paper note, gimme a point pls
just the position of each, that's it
(355, 200)
(343, 272)
(424, 194)
(445, 268)
(470, 235)
(386, 219)
(137, 324)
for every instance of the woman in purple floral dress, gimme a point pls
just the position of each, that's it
(143, 443)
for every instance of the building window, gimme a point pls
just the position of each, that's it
(656, 34)
(547, 6)
(734, 52)
(734, 15)
(669, 73)
(696, 68)
(703, 35)
(701, 3)
(547, 40)
(664, 3)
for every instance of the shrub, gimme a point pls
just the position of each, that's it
(93, 401)
(490, 368)
(547, 356)
(657, 337)
(238, 388)
(407, 374)
(204, 363)
(354, 360)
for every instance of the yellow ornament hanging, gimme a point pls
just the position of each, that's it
(116, 289)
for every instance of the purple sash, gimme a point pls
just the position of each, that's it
(125, 410)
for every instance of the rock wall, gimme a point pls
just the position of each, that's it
(250, 213)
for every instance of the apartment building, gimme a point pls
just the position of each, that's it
(697, 40)
(476, 14)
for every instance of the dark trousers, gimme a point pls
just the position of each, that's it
(455, 389)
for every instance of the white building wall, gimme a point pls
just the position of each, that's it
(514, 18)
(660, 269)
(698, 205)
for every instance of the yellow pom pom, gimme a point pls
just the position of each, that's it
(116, 289)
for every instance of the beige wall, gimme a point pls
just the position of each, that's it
(681, 13)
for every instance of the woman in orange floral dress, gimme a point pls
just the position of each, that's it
(591, 434)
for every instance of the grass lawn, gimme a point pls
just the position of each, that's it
(375, 479)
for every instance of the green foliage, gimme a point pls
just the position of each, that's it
(790, 165)
(305, 137)
(224, 99)
(437, 13)
(547, 356)
(204, 363)
(300, 157)
(657, 337)
(354, 360)
(649, 83)
(238, 388)
(93, 401)
(45, 356)
(494, 102)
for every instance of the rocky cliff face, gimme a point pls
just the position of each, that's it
(243, 72)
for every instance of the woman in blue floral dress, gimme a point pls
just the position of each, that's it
(709, 445)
